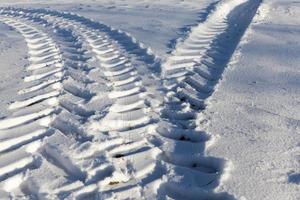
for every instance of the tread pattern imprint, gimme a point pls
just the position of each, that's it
(96, 120)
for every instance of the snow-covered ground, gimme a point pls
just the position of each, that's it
(255, 110)
(197, 100)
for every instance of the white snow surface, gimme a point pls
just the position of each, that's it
(150, 99)
(255, 109)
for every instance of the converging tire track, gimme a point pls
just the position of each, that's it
(147, 143)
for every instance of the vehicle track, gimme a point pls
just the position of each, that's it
(33, 112)
(182, 32)
(148, 143)
(126, 91)
(126, 123)
(51, 106)
(191, 74)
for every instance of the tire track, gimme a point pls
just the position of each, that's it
(52, 106)
(23, 115)
(21, 134)
(122, 149)
(191, 74)
(126, 125)
(183, 32)
(148, 144)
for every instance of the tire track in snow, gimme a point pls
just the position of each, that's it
(125, 145)
(126, 123)
(22, 115)
(21, 133)
(148, 148)
(191, 75)
(182, 32)
(127, 42)
(51, 105)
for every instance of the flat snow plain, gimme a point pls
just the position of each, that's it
(115, 134)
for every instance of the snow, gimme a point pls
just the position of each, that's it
(13, 57)
(161, 99)
(255, 109)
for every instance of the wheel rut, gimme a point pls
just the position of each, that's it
(146, 141)
(46, 109)
(191, 73)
